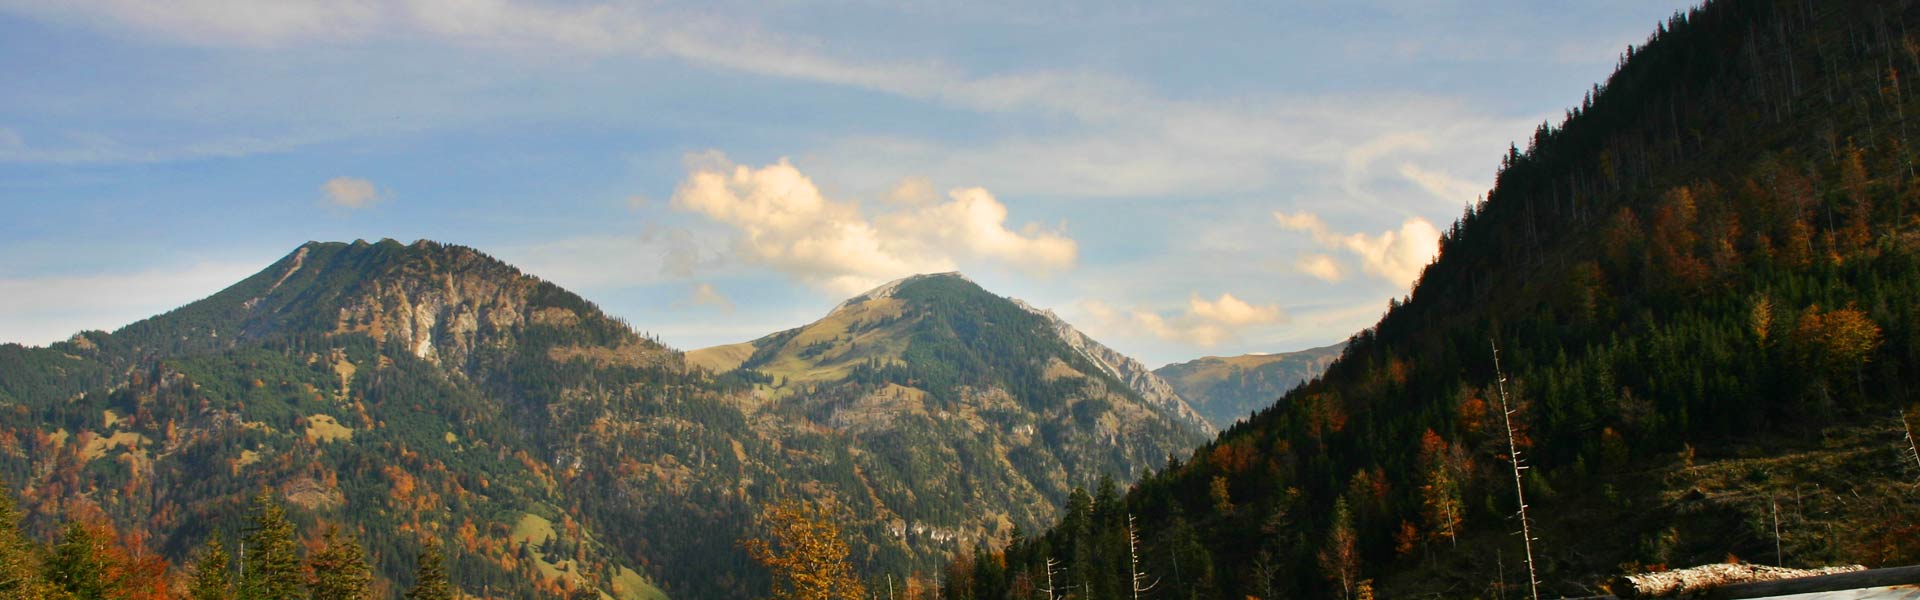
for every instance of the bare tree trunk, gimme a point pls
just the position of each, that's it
(1135, 577)
(1051, 564)
(1913, 448)
(1519, 491)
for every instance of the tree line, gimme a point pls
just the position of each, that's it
(91, 561)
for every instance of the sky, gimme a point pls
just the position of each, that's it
(1177, 179)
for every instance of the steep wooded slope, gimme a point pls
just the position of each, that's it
(1706, 289)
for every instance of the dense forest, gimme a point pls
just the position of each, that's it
(1704, 286)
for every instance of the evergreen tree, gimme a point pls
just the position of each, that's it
(211, 577)
(81, 565)
(271, 565)
(430, 580)
(19, 572)
(340, 570)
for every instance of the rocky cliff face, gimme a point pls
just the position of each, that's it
(1125, 368)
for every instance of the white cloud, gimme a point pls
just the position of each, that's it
(1129, 141)
(913, 191)
(1229, 310)
(1206, 323)
(217, 23)
(38, 310)
(784, 221)
(1397, 256)
(1320, 266)
(351, 193)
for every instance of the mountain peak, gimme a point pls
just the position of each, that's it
(438, 301)
(888, 289)
(882, 323)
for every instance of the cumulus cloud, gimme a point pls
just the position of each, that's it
(913, 191)
(1320, 266)
(1397, 256)
(1229, 310)
(785, 222)
(350, 193)
(1205, 323)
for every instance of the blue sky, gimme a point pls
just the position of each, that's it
(1178, 179)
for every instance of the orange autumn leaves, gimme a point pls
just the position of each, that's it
(805, 553)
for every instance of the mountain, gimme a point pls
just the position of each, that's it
(820, 356)
(936, 364)
(1227, 389)
(416, 392)
(367, 385)
(1704, 289)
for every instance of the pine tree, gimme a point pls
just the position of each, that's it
(80, 564)
(211, 577)
(340, 570)
(271, 567)
(19, 572)
(430, 578)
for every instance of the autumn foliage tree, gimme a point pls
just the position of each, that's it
(1837, 342)
(1440, 505)
(805, 553)
(1340, 557)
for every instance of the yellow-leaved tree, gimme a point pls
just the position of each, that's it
(802, 547)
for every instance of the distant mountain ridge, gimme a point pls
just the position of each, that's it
(1231, 388)
(423, 391)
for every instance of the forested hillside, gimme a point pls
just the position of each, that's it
(1705, 287)
(427, 394)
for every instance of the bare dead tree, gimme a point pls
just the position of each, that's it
(1513, 455)
(1052, 567)
(1778, 560)
(1913, 449)
(1136, 577)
